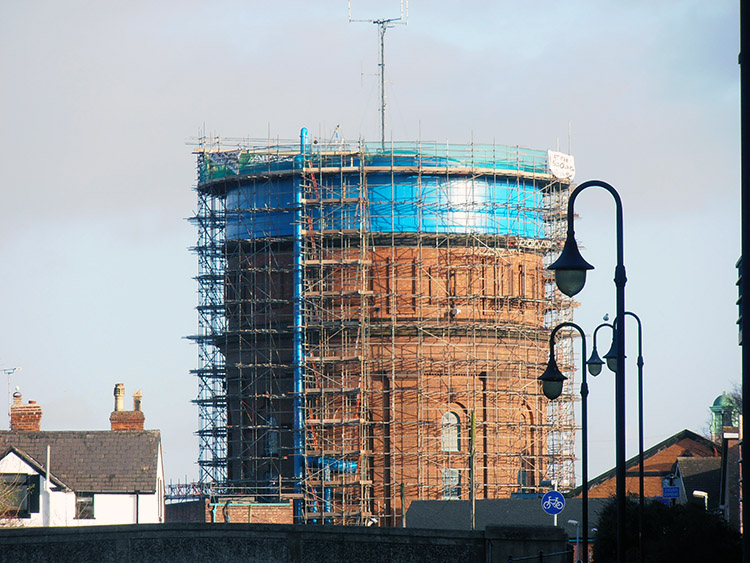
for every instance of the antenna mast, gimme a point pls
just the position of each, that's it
(383, 25)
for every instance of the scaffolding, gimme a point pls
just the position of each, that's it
(359, 305)
(209, 221)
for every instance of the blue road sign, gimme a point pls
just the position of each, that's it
(553, 502)
(670, 492)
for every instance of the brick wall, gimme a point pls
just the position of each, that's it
(25, 417)
(127, 420)
(482, 349)
(239, 510)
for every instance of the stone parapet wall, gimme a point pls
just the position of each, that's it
(266, 543)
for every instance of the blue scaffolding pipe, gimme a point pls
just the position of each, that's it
(298, 359)
(329, 466)
(332, 464)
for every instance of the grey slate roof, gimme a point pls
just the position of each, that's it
(456, 514)
(701, 474)
(93, 461)
(34, 464)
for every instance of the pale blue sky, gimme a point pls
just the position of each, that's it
(98, 99)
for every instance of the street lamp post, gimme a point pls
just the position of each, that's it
(570, 275)
(595, 367)
(552, 383)
(641, 501)
(578, 535)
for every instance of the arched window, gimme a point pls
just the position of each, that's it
(450, 432)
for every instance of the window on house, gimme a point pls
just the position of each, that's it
(450, 432)
(19, 495)
(451, 484)
(84, 506)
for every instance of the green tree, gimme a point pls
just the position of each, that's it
(679, 534)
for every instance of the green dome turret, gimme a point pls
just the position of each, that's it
(724, 412)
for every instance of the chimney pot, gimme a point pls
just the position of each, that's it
(119, 397)
(122, 420)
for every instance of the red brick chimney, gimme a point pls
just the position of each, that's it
(122, 420)
(25, 418)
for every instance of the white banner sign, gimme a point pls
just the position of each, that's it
(561, 165)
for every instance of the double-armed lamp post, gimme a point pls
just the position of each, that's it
(595, 364)
(570, 275)
(552, 385)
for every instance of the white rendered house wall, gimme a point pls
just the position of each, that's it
(56, 507)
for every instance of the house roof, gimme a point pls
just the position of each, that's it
(456, 514)
(93, 461)
(701, 474)
(31, 462)
(663, 445)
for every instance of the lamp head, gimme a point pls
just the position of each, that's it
(611, 355)
(570, 268)
(552, 380)
(594, 363)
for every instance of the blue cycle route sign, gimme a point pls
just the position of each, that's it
(670, 492)
(553, 503)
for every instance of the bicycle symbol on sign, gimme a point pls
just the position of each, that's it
(553, 502)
